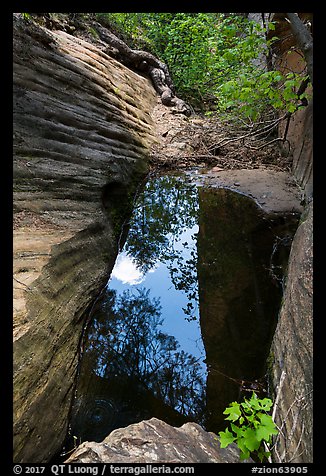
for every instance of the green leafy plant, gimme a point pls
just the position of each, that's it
(26, 16)
(251, 427)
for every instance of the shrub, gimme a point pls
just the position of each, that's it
(251, 427)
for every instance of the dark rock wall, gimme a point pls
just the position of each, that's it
(292, 348)
(293, 352)
(82, 126)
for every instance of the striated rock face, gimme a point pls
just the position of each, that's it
(82, 129)
(293, 351)
(153, 441)
(301, 134)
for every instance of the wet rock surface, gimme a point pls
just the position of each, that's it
(153, 441)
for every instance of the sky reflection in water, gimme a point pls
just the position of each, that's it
(145, 328)
(126, 275)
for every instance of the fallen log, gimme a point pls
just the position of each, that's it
(146, 63)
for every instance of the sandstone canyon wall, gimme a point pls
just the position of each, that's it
(292, 349)
(82, 129)
(288, 57)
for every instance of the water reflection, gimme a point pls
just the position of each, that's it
(144, 355)
(126, 271)
(239, 300)
(126, 341)
(188, 313)
(166, 210)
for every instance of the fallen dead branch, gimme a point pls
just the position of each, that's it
(261, 129)
(213, 142)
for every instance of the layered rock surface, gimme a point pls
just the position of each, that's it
(82, 129)
(153, 441)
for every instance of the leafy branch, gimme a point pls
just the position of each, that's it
(251, 427)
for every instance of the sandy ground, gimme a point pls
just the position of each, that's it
(273, 190)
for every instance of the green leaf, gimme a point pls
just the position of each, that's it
(266, 404)
(251, 441)
(278, 104)
(278, 77)
(271, 26)
(291, 108)
(226, 438)
(253, 403)
(245, 452)
(233, 411)
(266, 429)
(260, 404)
(237, 430)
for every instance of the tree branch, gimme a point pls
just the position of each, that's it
(304, 40)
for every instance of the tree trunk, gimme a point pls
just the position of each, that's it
(149, 64)
(304, 40)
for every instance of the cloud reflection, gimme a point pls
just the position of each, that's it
(126, 271)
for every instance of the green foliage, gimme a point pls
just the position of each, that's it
(252, 95)
(215, 61)
(251, 427)
(26, 16)
(132, 27)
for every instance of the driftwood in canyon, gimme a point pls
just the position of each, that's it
(147, 63)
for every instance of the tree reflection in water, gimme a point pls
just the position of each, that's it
(130, 341)
(166, 211)
(135, 364)
(126, 341)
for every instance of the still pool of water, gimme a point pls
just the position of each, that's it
(185, 322)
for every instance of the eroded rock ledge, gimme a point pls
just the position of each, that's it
(82, 127)
(153, 441)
